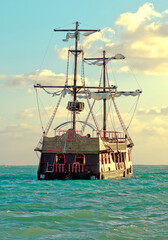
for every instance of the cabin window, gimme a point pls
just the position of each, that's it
(80, 158)
(59, 158)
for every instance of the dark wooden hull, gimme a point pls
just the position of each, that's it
(70, 171)
(113, 175)
(83, 158)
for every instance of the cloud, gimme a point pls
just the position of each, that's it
(29, 90)
(17, 131)
(46, 112)
(62, 53)
(44, 77)
(142, 37)
(26, 80)
(132, 21)
(28, 113)
(154, 127)
(31, 114)
(91, 44)
(155, 111)
(97, 40)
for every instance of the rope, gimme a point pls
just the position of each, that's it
(37, 155)
(112, 114)
(38, 107)
(66, 82)
(120, 119)
(39, 145)
(45, 53)
(52, 93)
(91, 107)
(111, 108)
(64, 26)
(134, 75)
(37, 75)
(133, 112)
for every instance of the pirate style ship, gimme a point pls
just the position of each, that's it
(71, 153)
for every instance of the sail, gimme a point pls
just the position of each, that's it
(108, 95)
(73, 35)
(103, 95)
(68, 36)
(100, 62)
(88, 33)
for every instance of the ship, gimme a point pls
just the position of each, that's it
(72, 153)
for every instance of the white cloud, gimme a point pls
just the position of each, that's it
(17, 131)
(91, 44)
(30, 90)
(143, 39)
(44, 77)
(2, 77)
(154, 111)
(132, 21)
(26, 80)
(62, 53)
(45, 112)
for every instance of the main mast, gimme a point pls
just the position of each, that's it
(76, 52)
(104, 100)
(75, 74)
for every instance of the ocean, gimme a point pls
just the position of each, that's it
(135, 208)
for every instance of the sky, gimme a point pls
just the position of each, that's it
(137, 29)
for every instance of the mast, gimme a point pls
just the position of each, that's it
(104, 100)
(76, 52)
(103, 59)
(75, 74)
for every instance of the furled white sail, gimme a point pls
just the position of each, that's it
(103, 95)
(108, 95)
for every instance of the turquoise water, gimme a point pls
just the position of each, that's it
(135, 208)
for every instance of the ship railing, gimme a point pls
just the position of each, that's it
(77, 167)
(61, 132)
(113, 136)
(59, 167)
(73, 168)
